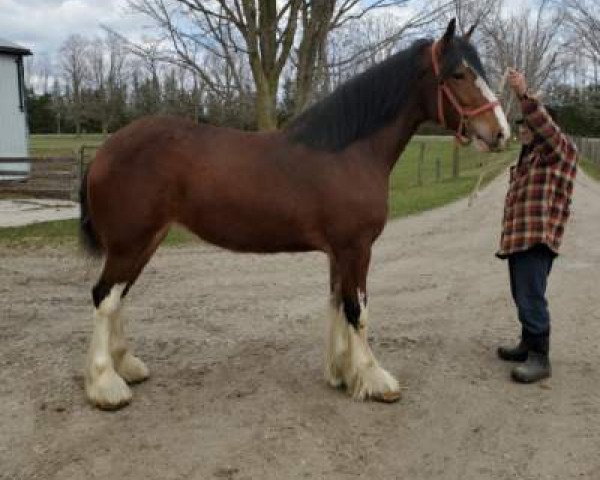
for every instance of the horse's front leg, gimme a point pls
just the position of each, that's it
(350, 360)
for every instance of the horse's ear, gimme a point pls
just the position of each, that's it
(470, 32)
(450, 30)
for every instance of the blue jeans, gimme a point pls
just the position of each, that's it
(529, 271)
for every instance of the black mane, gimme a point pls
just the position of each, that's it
(372, 99)
(360, 106)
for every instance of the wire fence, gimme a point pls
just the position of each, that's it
(426, 162)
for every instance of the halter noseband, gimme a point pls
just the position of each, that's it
(465, 113)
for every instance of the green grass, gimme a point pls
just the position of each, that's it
(58, 145)
(591, 168)
(406, 196)
(66, 233)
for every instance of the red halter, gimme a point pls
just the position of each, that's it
(465, 113)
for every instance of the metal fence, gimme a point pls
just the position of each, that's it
(589, 148)
(46, 176)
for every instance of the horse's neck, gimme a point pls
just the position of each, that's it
(388, 144)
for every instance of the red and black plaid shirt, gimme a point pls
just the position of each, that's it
(538, 200)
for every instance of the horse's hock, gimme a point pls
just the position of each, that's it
(51, 177)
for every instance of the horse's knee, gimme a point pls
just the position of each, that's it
(107, 297)
(355, 310)
(352, 311)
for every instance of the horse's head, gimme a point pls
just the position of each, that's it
(463, 100)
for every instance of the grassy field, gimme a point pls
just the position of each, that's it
(407, 196)
(66, 233)
(591, 168)
(58, 145)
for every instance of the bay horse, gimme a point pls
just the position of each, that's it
(321, 183)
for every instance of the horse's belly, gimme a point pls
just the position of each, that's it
(254, 231)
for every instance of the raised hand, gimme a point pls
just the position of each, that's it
(517, 81)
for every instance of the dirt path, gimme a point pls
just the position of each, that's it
(234, 344)
(18, 212)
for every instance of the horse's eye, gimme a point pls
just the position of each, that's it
(458, 75)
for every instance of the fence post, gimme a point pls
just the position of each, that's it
(81, 154)
(420, 165)
(455, 161)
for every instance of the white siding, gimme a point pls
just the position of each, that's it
(13, 126)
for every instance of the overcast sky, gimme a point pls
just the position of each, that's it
(43, 25)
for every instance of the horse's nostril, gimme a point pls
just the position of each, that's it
(500, 136)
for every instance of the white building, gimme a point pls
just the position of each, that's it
(13, 114)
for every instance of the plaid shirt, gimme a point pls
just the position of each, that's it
(538, 200)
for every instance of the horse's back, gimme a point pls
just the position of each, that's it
(233, 188)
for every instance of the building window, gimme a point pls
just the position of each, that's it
(21, 83)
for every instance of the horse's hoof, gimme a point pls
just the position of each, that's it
(373, 382)
(132, 369)
(109, 392)
(388, 397)
(112, 408)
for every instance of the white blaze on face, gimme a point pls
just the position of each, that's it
(489, 95)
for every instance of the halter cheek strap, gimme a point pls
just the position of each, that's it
(464, 113)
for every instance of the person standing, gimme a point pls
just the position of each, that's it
(536, 210)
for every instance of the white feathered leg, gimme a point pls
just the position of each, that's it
(127, 365)
(103, 386)
(364, 376)
(351, 361)
(337, 345)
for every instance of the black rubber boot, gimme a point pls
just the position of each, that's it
(537, 366)
(514, 354)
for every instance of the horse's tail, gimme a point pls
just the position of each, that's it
(88, 236)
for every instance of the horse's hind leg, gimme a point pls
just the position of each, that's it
(103, 386)
(352, 358)
(109, 363)
(337, 329)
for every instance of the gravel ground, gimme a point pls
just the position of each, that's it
(235, 348)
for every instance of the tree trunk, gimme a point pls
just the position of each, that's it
(316, 19)
(266, 106)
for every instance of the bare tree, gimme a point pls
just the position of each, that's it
(319, 19)
(355, 47)
(38, 71)
(107, 62)
(471, 12)
(263, 30)
(527, 40)
(583, 16)
(75, 68)
(262, 35)
(359, 44)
